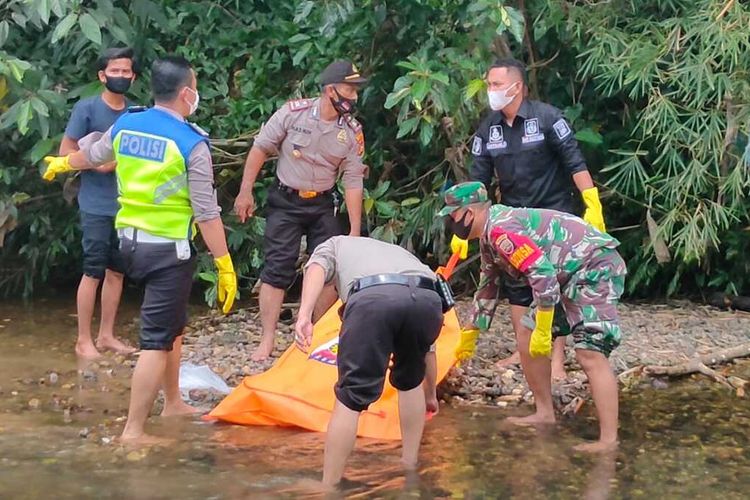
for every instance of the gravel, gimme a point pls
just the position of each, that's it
(660, 334)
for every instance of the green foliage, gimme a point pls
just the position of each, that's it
(657, 91)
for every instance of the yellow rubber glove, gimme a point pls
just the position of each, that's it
(459, 246)
(541, 337)
(593, 214)
(226, 289)
(56, 165)
(467, 344)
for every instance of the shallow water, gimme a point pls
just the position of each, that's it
(691, 439)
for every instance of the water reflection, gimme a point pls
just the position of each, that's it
(689, 440)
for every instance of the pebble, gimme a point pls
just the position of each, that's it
(658, 383)
(34, 403)
(135, 456)
(84, 433)
(681, 326)
(53, 378)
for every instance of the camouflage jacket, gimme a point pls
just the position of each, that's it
(544, 247)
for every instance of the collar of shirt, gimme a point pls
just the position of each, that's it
(170, 112)
(525, 110)
(315, 113)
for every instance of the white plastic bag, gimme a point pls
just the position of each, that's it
(200, 377)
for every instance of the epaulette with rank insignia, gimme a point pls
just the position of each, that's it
(359, 136)
(198, 129)
(299, 104)
(136, 109)
(353, 123)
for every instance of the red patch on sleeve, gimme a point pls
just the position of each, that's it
(360, 137)
(519, 250)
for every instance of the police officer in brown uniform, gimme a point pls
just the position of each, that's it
(317, 141)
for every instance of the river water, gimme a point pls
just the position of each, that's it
(56, 422)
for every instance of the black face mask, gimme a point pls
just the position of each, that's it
(462, 227)
(117, 84)
(343, 105)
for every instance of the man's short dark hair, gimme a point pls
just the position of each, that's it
(510, 64)
(168, 75)
(114, 53)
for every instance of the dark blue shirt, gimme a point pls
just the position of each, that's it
(98, 194)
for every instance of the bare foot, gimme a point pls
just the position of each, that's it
(263, 351)
(514, 359)
(144, 440)
(315, 487)
(558, 373)
(115, 345)
(179, 408)
(408, 465)
(597, 447)
(533, 419)
(87, 351)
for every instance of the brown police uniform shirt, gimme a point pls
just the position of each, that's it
(346, 259)
(312, 152)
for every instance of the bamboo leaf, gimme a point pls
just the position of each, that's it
(657, 242)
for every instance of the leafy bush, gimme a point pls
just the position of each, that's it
(657, 91)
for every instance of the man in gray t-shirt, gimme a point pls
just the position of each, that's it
(97, 200)
(392, 311)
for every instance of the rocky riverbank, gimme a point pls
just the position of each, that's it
(655, 334)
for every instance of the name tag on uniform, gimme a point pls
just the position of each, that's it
(496, 139)
(531, 131)
(140, 146)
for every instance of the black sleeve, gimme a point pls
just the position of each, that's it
(561, 138)
(481, 168)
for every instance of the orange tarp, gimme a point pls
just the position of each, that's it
(298, 389)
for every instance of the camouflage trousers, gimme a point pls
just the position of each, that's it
(589, 301)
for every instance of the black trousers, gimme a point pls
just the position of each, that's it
(378, 322)
(289, 217)
(167, 282)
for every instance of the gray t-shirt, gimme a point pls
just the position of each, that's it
(348, 258)
(98, 193)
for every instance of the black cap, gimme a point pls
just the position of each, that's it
(341, 72)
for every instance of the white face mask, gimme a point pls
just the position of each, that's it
(194, 105)
(500, 98)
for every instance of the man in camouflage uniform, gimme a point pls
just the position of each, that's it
(564, 260)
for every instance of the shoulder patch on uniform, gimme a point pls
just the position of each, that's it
(197, 129)
(299, 104)
(360, 138)
(517, 249)
(353, 123)
(561, 128)
(136, 109)
(476, 147)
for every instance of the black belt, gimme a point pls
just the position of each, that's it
(393, 279)
(301, 193)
